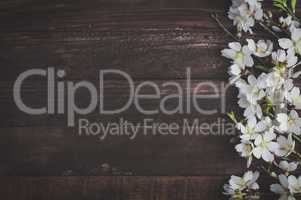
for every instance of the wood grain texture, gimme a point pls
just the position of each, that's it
(114, 188)
(154, 40)
(139, 43)
(115, 95)
(41, 145)
(22, 6)
(61, 151)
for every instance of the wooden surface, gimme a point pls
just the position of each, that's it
(155, 40)
(103, 188)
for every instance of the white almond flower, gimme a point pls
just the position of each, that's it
(241, 83)
(235, 72)
(237, 186)
(240, 55)
(245, 148)
(242, 23)
(247, 181)
(228, 190)
(286, 146)
(294, 97)
(288, 22)
(289, 84)
(253, 2)
(266, 125)
(288, 167)
(251, 109)
(289, 123)
(284, 59)
(282, 188)
(237, 3)
(251, 130)
(250, 93)
(265, 147)
(294, 184)
(294, 43)
(274, 81)
(256, 9)
(262, 48)
(254, 91)
(244, 14)
(285, 22)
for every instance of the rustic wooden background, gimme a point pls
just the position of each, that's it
(149, 39)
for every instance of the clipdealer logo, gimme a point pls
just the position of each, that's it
(61, 95)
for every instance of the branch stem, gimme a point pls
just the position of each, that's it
(297, 154)
(297, 138)
(268, 29)
(221, 25)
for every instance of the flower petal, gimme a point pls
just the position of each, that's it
(285, 43)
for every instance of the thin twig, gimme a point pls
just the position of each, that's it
(298, 155)
(291, 71)
(267, 171)
(261, 67)
(268, 29)
(294, 66)
(294, 16)
(297, 138)
(215, 17)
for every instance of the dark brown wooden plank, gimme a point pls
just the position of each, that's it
(139, 43)
(111, 188)
(149, 39)
(116, 94)
(23, 6)
(61, 151)
(115, 188)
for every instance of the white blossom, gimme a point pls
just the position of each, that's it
(294, 43)
(294, 184)
(293, 96)
(282, 188)
(288, 166)
(266, 125)
(289, 123)
(250, 93)
(254, 90)
(252, 109)
(261, 48)
(244, 13)
(245, 148)
(250, 131)
(288, 23)
(240, 55)
(283, 59)
(286, 146)
(274, 81)
(265, 146)
(267, 98)
(235, 72)
(238, 184)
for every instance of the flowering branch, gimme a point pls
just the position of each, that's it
(268, 30)
(221, 25)
(262, 71)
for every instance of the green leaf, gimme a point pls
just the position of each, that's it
(282, 5)
(262, 68)
(279, 5)
(231, 115)
(293, 5)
